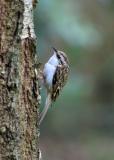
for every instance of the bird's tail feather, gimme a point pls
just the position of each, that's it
(47, 104)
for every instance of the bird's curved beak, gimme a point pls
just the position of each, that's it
(54, 49)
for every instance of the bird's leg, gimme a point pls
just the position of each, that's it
(38, 71)
(40, 75)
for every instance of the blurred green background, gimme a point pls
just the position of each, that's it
(80, 125)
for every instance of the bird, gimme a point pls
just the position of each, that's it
(55, 76)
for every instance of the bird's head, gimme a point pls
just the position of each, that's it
(61, 56)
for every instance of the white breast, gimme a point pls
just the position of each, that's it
(53, 60)
(48, 72)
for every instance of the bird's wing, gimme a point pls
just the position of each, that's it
(59, 80)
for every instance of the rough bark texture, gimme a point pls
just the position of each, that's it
(18, 87)
(28, 102)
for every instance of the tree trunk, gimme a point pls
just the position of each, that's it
(19, 92)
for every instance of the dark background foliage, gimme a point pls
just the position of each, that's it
(80, 125)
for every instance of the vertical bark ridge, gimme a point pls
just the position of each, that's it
(28, 101)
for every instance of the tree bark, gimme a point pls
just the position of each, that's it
(19, 93)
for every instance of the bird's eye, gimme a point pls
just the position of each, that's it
(58, 56)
